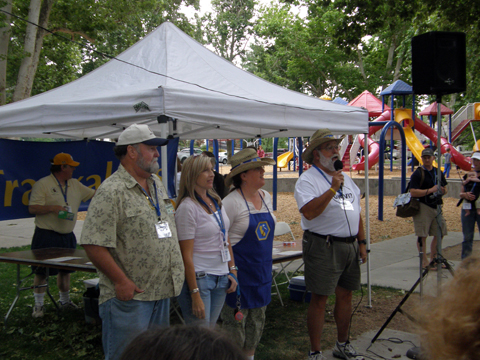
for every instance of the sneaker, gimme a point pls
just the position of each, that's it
(69, 305)
(38, 312)
(316, 356)
(346, 351)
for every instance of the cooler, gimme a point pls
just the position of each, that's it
(298, 291)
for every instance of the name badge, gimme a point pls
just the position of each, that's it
(467, 206)
(225, 253)
(163, 229)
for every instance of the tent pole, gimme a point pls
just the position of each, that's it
(367, 219)
(275, 178)
(164, 155)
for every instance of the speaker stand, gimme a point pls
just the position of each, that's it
(423, 273)
(438, 261)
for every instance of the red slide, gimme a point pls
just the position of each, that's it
(373, 146)
(457, 158)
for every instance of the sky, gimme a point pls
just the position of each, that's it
(205, 7)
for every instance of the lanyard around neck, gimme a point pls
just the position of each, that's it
(61, 189)
(329, 182)
(155, 206)
(219, 219)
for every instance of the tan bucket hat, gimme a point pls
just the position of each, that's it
(244, 160)
(318, 138)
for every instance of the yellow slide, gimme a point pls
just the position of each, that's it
(476, 146)
(413, 143)
(282, 160)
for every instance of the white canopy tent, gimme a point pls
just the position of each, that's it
(168, 73)
(170, 77)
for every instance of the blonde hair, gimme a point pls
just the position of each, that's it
(449, 325)
(191, 170)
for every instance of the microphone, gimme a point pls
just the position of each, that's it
(338, 165)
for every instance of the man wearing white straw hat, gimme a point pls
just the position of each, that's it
(333, 241)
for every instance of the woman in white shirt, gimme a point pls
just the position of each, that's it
(202, 227)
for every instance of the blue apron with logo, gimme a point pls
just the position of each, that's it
(253, 257)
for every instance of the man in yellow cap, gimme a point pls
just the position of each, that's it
(54, 201)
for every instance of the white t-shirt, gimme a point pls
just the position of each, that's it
(239, 216)
(194, 223)
(333, 220)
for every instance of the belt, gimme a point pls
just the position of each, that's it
(348, 239)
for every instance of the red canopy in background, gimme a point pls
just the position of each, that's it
(432, 110)
(368, 101)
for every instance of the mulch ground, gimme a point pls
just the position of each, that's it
(391, 227)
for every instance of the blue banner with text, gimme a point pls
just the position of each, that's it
(22, 163)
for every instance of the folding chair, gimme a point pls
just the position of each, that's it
(282, 228)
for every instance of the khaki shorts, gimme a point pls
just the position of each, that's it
(328, 265)
(248, 332)
(425, 222)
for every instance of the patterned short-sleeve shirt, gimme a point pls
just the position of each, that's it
(122, 219)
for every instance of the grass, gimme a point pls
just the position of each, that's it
(59, 335)
(66, 335)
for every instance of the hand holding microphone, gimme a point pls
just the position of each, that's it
(338, 165)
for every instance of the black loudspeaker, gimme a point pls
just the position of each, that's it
(439, 63)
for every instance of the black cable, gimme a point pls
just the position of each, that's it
(393, 340)
(173, 78)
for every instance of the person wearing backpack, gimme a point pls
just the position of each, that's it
(426, 191)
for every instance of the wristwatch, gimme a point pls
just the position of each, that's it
(364, 242)
(234, 267)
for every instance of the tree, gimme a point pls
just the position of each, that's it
(229, 26)
(300, 54)
(96, 26)
(4, 40)
(340, 49)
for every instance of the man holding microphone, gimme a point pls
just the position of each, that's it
(334, 242)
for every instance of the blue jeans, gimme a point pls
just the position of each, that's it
(212, 291)
(468, 229)
(122, 321)
(446, 169)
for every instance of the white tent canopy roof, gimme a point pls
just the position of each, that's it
(168, 73)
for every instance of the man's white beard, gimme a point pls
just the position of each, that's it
(327, 162)
(151, 168)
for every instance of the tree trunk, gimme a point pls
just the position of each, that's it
(43, 22)
(4, 41)
(396, 74)
(29, 49)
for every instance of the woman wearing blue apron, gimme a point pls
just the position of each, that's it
(251, 232)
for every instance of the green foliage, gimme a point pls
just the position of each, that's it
(105, 26)
(228, 27)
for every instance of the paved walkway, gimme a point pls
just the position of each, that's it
(393, 263)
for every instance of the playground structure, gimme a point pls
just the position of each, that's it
(413, 143)
(403, 121)
(387, 121)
